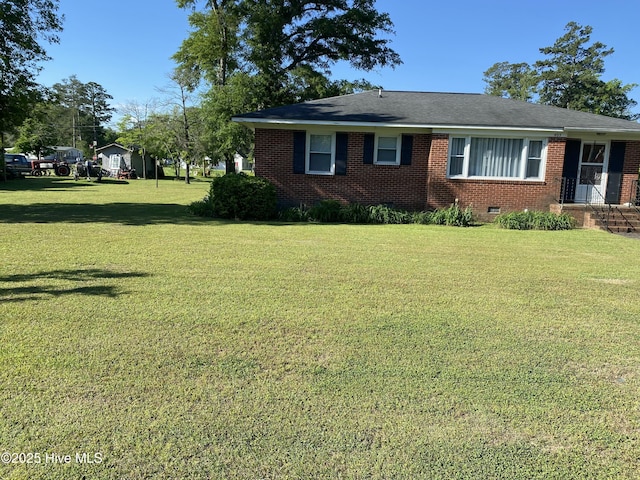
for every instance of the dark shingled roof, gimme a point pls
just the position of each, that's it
(427, 109)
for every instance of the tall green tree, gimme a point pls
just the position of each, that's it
(570, 76)
(25, 26)
(37, 134)
(511, 80)
(221, 137)
(70, 97)
(98, 112)
(163, 137)
(262, 53)
(282, 36)
(135, 129)
(181, 96)
(212, 50)
(83, 110)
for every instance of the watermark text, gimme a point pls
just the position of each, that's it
(50, 458)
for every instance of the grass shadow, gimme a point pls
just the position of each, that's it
(122, 213)
(41, 183)
(51, 182)
(125, 213)
(23, 293)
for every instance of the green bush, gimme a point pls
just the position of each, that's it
(238, 196)
(326, 211)
(332, 211)
(201, 208)
(388, 215)
(422, 218)
(453, 216)
(294, 214)
(535, 220)
(354, 213)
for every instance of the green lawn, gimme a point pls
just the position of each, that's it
(176, 347)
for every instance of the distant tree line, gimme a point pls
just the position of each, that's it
(569, 76)
(70, 113)
(244, 55)
(241, 55)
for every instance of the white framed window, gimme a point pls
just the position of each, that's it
(456, 156)
(115, 161)
(496, 158)
(387, 150)
(534, 160)
(321, 153)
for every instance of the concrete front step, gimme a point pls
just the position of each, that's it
(588, 216)
(617, 221)
(619, 229)
(622, 221)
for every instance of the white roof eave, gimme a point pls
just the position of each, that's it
(254, 122)
(602, 130)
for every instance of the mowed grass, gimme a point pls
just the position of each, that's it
(177, 347)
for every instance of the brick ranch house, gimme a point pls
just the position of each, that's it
(422, 151)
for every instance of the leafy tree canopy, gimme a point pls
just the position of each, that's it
(511, 80)
(81, 112)
(568, 77)
(25, 25)
(37, 134)
(262, 53)
(279, 41)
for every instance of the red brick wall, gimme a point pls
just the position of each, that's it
(421, 185)
(506, 195)
(630, 171)
(403, 186)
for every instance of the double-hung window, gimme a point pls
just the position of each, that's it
(456, 156)
(500, 158)
(534, 159)
(321, 153)
(387, 150)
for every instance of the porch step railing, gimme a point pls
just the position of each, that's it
(567, 190)
(595, 201)
(634, 198)
(609, 217)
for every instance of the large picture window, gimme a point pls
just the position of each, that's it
(484, 157)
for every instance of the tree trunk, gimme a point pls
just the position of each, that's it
(4, 164)
(144, 163)
(230, 166)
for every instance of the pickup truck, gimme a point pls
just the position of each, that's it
(17, 164)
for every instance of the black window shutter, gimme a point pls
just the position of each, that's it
(614, 178)
(406, 150)
(342, 145)
(616, 157)
(571, 159)
(570, 168)
(369, 144)
(299, 146)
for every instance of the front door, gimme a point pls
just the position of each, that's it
(592, 173)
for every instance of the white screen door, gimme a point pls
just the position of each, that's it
(592, 173)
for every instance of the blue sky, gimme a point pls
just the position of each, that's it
(126, 45)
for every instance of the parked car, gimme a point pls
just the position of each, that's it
(17, 164)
